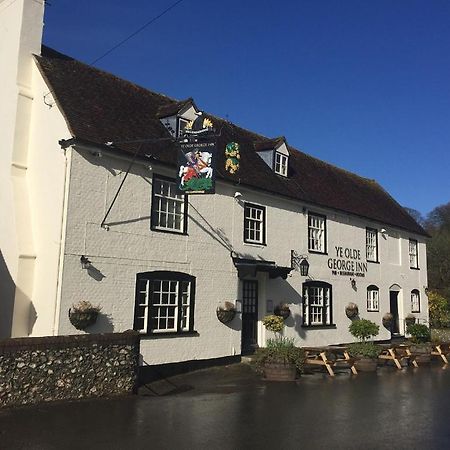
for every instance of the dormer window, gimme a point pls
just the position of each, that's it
(281, 164)
(176, 115)
(181, 125)
(275, 154)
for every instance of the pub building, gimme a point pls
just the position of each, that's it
(164, 216)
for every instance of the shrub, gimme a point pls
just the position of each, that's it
(420, 333)
(439, 310)
(280, 351)
(364, 329)
(364, 350)
(273, 323)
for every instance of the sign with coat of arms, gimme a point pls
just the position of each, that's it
(197, 158)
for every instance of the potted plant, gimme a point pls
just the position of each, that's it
(282, 310)
(226, 312)
(83, 314)
(280, 360)
(421, 345)
(351, 310)
(366, 352)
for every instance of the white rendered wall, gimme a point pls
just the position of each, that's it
(215, 228)
(21, 24)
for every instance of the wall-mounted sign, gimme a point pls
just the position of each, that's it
(197, 158)
(232, 156)
(347, 262)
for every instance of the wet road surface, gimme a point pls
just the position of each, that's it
(232, 408)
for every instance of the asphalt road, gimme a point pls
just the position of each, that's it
(232, 408)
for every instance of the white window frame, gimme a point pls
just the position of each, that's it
(372, 245)
(317, 304)
(254, 224)
(317, 233)
(415, 301)
(413, 252)
(281, 164)
(181, 120)
(168, 209)
(373, 299)
(164, 303)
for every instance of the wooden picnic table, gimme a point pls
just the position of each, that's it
(329, 356)
(441, 350)
(397, 353)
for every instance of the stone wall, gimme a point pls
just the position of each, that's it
(44, 369)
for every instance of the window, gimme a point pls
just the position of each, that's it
(254, 224)
(168, 207)
(317, 304)
(316, 233)
(415, 301)
(372, 298)
(164, 302)
(181, 125)
(281, 164)
(413, 254)
(371, 245)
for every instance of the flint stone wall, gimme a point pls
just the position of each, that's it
(34, 370)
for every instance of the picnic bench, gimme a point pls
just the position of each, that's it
(329, 357)
(397, 353)
(441, 350)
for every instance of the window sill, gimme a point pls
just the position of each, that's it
(316, 252)
(373, 310)
(159, 230)
(319, 327)
(255, 244)
(169, 334)
(373, 262)
(415, 268)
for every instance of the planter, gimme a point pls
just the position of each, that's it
(282, 312)
(280, 372)
(225, 315)
(366, 364)
(351, 310)
(82, 319)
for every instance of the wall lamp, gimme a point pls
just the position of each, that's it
(85, 263)
(353, 283)
(300, 262)
(237, 196)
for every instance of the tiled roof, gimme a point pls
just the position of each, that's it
(100, 107)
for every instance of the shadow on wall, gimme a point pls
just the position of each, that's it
(7, 293)
(103, 324)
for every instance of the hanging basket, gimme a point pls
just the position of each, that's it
(410, 320)
(282, 311)
(82, 319)
(226, 313)
(388, 320)
(351, 310)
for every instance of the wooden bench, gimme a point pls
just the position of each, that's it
(441, 350)
(329, 357)
(397, 353)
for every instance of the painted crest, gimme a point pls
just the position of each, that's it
(232, 157)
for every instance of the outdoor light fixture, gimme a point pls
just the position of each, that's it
(237, 196)
(304, 267)
(353, 283)
(85, 263)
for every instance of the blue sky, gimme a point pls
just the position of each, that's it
(364, 85)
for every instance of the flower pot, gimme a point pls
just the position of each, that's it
(282, 312)
(279, 372)
(82, 319)
(225, 315)
(366, 364)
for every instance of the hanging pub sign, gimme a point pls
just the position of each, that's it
(197, 158)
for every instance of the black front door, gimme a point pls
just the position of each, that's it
(393, 298)
(249, 316)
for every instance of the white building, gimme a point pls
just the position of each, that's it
(164, 262)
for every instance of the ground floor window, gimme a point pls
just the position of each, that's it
(164, 302)
(372, 298)
(415, 301)
(317, 303)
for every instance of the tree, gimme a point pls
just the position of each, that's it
(416, 215)
(439, 310)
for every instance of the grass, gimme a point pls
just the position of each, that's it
(440, 334)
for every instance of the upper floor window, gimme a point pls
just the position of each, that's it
(372, 298)
(164, 302)
(317, 303)
(281, 164)
(415, 301)
(371, 245)
(413, 254)
(316, 233)
(254, 224)
(168, 207)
